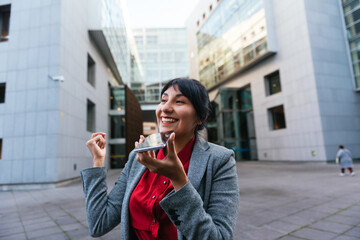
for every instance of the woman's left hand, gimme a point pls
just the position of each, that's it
(170, 167)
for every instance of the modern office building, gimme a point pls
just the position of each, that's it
(283, 76)
(163, 55)
(62, 69)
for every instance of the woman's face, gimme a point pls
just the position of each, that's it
(176, 113)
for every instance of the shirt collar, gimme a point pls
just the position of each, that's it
(184, 154)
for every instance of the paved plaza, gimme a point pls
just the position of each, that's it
(285, 201)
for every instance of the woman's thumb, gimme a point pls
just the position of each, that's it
(171, 144)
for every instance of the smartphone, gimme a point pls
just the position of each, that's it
(153, 142)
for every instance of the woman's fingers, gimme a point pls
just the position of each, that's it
(98, 133)
(98, 140)
(142, 139)
(151, 163)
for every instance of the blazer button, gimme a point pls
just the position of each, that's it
(153, 197)
(154, 220)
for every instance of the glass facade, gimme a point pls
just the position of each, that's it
(117, 98)
(114, 29)
(234, 36)
(117, 155)
(352, 20)
(118, 128)
(232, 122)
(163, 54)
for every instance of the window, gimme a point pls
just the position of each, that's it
(277, 117)
(4, 22)
(166, 57)
(152, 57)
(272, 83)
(117, 126)
(91, 71)
(139, 40)
(117, 98)
(151, 40)
(90, 118)
(179, 56)
(117, 155)
(2, 92)
(0, 148)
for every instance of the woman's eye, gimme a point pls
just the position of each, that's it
(179, 101)
(163, 100)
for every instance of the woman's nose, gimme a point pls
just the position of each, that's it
(167, 107)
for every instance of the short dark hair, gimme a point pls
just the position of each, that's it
(196, 93)
(341, 146)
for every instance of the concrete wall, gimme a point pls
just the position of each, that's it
(303, 132)
(75, 45)
(338, 102)
(43, 122)
(29, 116)
(321, 106)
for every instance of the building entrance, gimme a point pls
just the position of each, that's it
(232, 122)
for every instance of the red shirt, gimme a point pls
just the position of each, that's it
(148, 219)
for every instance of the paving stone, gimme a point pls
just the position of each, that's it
(344, 219)
(313, 234)
(345, 237)
(12, 225)
(78, 233)
(36, 220)
(65, 220)
(294, 219)
(71, 226)
(311, 215)
(43, 232)
(11, 231)
(350, 212)
(354, 232)
(289, 237)
(41, 225)
(57, 236)
(283, 227)
(18, 236)
(331, 227)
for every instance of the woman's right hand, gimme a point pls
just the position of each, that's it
(97, 147)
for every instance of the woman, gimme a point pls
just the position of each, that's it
(187, 191)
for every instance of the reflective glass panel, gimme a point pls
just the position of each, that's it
(232, 37)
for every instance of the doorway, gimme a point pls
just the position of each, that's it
(232, 122)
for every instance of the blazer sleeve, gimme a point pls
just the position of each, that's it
(103, 211)
(186, 209)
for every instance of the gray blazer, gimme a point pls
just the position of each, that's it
(205, 208)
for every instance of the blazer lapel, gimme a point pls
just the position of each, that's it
(198, 161)
(139, 170)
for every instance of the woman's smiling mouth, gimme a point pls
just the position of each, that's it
(167, 120)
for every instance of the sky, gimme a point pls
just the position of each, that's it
(159, 13)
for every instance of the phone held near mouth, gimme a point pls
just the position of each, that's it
(153, 142)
